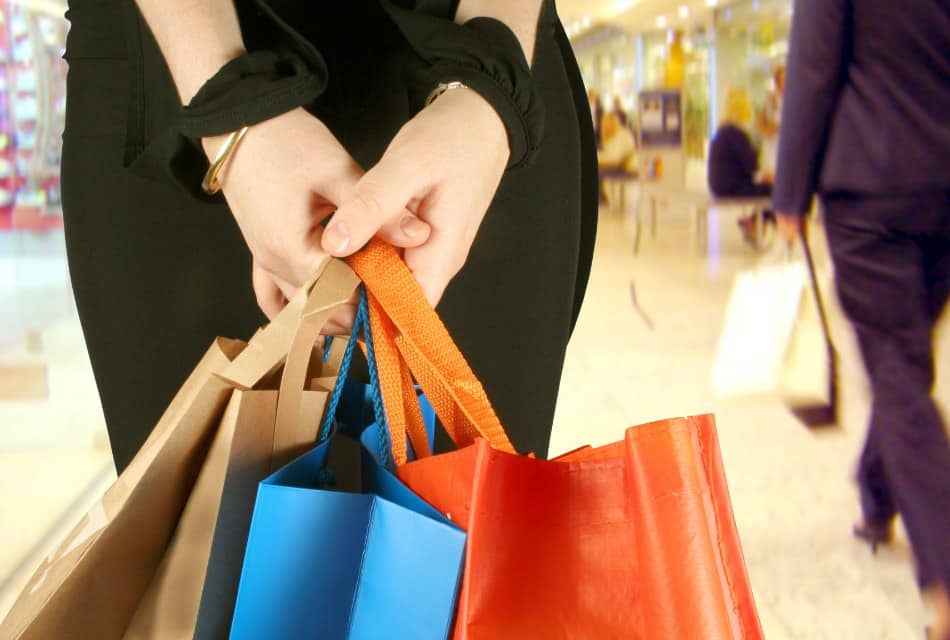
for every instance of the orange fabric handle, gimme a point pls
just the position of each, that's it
(433, 358)
(399, 395)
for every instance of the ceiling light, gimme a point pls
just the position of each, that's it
(684, 11)
(661, 21)
(711, 3)
(585, 21)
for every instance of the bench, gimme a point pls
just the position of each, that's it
(700, 203)
(746, 205)
(621, 177)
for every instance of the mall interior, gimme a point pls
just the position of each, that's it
(646, 345)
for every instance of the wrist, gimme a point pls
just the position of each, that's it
(212, 145)
(195, 74)
(484, 116)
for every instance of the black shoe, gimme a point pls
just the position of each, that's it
(874, 533)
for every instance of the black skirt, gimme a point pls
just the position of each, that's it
(157, 274)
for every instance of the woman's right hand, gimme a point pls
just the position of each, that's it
(283, 179)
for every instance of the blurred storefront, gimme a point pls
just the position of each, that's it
(32, 110)
(54, 455)
(751, 41)
(734, 45)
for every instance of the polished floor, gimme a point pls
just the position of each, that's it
(642, 350)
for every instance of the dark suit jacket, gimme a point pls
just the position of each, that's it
(867, 104)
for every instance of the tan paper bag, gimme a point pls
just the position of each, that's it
(93, 582)
(90, 584)
(203, 563)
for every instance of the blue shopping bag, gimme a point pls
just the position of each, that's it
(376, 474)
(326, 564)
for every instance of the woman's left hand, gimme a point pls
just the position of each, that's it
(444, 165)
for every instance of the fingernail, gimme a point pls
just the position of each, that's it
(337, 237)
(412, 226)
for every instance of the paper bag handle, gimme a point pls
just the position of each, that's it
(332, 288)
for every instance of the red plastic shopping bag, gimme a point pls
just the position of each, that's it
(632, 540)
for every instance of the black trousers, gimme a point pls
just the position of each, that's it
(892, 266)
(157, 275)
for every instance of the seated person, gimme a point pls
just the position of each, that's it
(617, 155)
(618, 152)
(733, 166)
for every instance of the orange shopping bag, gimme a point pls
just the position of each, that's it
(632, 540)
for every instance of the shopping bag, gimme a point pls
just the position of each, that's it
(92, 583)
(760, 316)
(808, 382)
(203, 562)
(327, 564)
(632, 540)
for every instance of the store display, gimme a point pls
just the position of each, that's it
(32, 113)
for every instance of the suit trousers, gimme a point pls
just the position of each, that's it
(892, 269)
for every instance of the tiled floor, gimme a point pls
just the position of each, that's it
(791, 488)
(793, 499)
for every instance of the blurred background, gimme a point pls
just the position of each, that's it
(644, 349)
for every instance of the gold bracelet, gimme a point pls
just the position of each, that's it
(210, 183)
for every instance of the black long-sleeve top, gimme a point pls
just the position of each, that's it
(733, 163)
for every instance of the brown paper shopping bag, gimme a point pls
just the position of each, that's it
(92, 584)
(261, 430)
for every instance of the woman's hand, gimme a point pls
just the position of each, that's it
(444, 165)
(284, 178)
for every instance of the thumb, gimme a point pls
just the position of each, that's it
(377, 201)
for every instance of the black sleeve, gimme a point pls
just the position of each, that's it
(486, 56)
(815, 75)
(255, 87)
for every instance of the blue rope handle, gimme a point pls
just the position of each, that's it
(361, 324)
(379, 409)
(326, 428)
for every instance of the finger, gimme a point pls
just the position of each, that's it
(407, 231)
(334, 185)
(305, 258)
(286, 289)
(436, 262)
(269, 296)
(379, 198)
(341, 321)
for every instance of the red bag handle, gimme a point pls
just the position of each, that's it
(427, 348)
